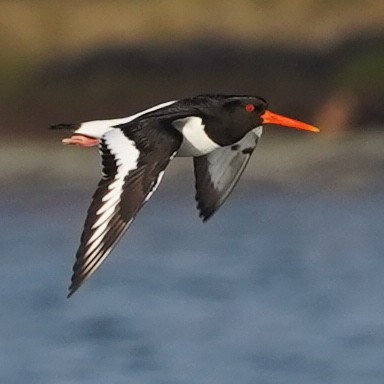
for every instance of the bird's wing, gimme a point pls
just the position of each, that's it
(133, 163)
(218, 172)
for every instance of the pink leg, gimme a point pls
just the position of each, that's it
(81, 141)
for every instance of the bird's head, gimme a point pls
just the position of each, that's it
(251, 112)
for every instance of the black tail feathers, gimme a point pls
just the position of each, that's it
(65, 126)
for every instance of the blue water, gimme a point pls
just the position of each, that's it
(277, 288)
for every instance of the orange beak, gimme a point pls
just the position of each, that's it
(273, 118)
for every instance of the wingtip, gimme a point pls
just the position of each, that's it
(205, 216)
(71, 290)
(75, 284)
(205, 213)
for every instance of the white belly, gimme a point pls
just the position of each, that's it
(195, 140)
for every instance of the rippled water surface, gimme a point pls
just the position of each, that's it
(275, 289)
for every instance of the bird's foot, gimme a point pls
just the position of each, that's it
(81, 141)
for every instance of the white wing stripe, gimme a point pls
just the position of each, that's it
(112, 186)
(115, 192)
(98, 232)
(92, 264)
(95, 244)
(108, 204)
(110, 211)
(126, 156)
(95, 259)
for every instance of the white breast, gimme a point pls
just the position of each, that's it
(195, 140)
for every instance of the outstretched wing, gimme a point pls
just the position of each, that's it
(133, 163)
(218, 172)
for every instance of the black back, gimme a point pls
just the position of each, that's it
(225, 117)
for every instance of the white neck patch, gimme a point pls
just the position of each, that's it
(196, 142)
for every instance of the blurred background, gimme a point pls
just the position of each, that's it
(284, 284)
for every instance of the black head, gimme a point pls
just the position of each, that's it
(230, 117)
(245, 110)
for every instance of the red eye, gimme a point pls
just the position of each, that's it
(249, 107)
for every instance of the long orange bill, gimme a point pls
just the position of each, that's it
(273, 118)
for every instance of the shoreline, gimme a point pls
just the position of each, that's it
(353, 162)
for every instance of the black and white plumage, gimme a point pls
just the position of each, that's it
(220, 132)
(218, 172)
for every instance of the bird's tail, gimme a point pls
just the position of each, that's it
(65, 126)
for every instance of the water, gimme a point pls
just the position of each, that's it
(277, 288)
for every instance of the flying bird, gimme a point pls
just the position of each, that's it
(220, 132)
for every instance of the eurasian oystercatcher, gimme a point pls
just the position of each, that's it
(220, 132)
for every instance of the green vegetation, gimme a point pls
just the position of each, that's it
(45, 44)
(365, 70)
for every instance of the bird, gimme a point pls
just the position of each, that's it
(220, 133)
